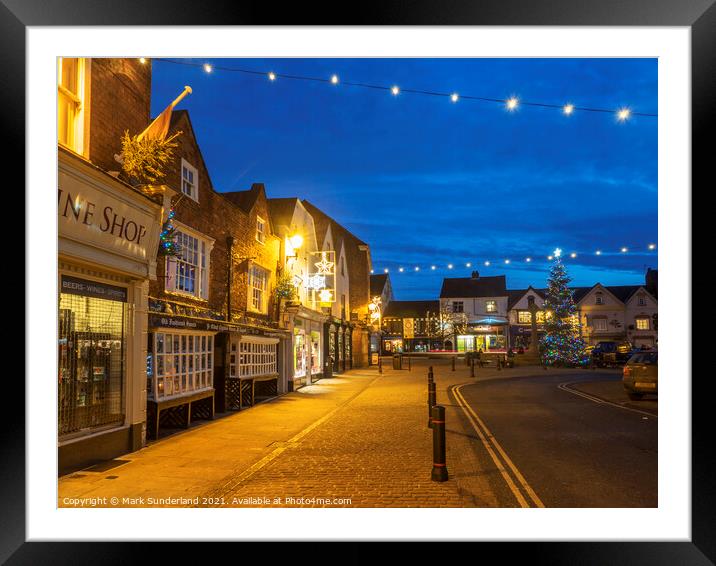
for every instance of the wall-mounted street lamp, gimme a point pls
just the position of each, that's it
(294, 243)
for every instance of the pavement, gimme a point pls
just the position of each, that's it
(357, 440)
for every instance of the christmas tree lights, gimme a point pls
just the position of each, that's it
(561, 344)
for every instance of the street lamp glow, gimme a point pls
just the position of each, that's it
(432, 267)
(568, 109)
(334, 79)
(550, 258)
(623, 114)
(401, 270)
(208, 68)
(512, 103)
(573, 255)
(468, 264)
(652, 246)
(417, 268)
(507, 261)
(454, 97)
(395, 91)
(272, 76)
(385, 270)
(372, 271)
(296, 241)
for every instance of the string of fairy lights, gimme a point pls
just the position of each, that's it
(511, 103)
(649, 249)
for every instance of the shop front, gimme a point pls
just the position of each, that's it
(339, 337)
(521, 336)
(306, 348)
(485, 337)
(108, 236)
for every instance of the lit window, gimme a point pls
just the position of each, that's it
(189, 180)
(258, 282)
(490, 306)
(71, 81)
(253, 357)
(188, 273)
(260, 230)
(642, 324)
(183, 363)
(599, 324)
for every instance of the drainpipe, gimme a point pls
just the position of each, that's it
(229, 272)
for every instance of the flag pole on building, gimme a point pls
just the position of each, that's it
(160, 125)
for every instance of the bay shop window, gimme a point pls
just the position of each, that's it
(253, 356)
(179, 363)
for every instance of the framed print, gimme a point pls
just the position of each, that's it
(391, 279)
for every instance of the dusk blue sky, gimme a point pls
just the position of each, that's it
(426, 181)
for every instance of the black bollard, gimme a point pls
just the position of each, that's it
(430, 374)
(432, 400)
(380, 365)
(453, 363)
(472, 367)
(409, 363)
(440, 472)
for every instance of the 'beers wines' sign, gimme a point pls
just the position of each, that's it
(111, 218)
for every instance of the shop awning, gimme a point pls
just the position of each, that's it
(491, 320)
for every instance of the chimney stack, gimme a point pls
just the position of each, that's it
(475, 275)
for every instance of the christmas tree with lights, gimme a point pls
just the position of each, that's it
(561, 344)
(168, 246)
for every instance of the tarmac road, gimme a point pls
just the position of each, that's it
(579, 445)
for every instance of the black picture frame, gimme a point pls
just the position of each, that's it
(699, 15)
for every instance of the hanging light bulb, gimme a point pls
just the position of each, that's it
(652, 246)
(623, 114)
(272, 76)
(433, 267)
(449, 265)
(624, 250)
(598, 252)
(417, 268)
(487, 263)
(468, 264)
(208, 68)
(334, 79)
(454, 97)
(401, 270)
(395, 91)
(573, 255)
(512, 103)
(528, 259)
(568, 109)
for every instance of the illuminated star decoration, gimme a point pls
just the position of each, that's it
(316, 282)
(325, 296)
(324, 266)
(557, 252)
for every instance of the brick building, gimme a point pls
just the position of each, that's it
(214, 342)
(108, 235)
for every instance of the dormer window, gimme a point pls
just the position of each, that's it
(642, 301)
(189, 180)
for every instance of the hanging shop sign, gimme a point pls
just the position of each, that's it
(76, 286)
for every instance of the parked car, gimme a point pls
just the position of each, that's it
(641, 374)
(611, 353)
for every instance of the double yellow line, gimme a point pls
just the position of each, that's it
(519, 487)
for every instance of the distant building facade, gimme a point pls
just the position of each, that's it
(411, 326)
